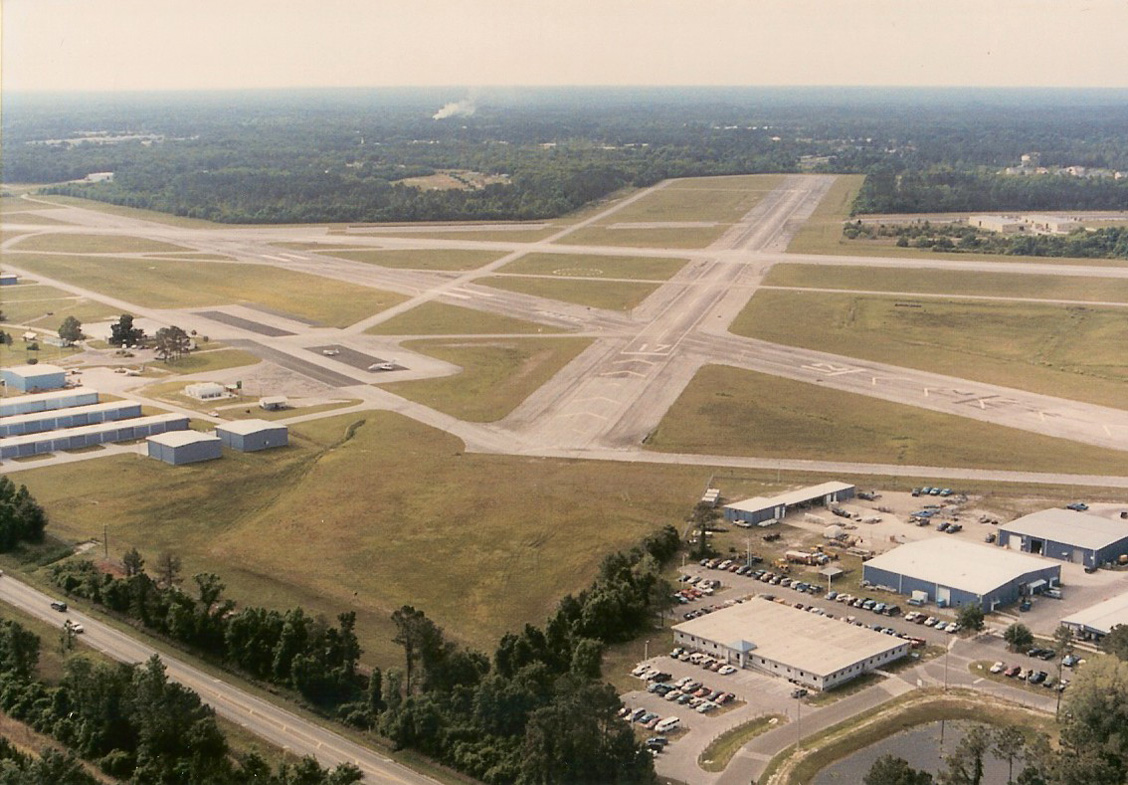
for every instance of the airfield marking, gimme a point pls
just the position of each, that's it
(831, 369)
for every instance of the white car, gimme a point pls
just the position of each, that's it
(998, 667)
(726, 670)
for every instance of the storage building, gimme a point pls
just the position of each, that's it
(21, 424)
(1003, 224)
(182, 447)
(89, 435)
(953, 572)
(807, 648)
(9, 279)
(1097, 621)
(252, 435)
(34, 378)
(42, 402)
(273, 403)
(760, 509)
(1076, 537)
(205, 391)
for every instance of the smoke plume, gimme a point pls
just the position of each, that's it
(463, 108)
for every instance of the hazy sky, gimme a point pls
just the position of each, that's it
(191, 44)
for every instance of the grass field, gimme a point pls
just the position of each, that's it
(496, 375)
(717, 756)
(470, 233)
(580, 265)
(1055, 287)
(396, 514)
(127, 212)
(822, 232)
(208, 360)
(172, 284)
(30, 304)
(17, 353)
(612, 295)
(95, 243)
(1071, 352)
(411, 259)
(28, 217)
(722, 199)
(434, 318)
(13, 204)
(729, 411)
(696, 237)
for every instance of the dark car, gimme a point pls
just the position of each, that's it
(61, 607)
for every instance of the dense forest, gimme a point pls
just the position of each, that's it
(309, 156)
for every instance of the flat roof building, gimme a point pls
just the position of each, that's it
(34, 378)
(1097, 621)
(760, 509)
(253, 435)
(205, 391)
(89, 435)
(814, 650)
(183, 447)
(1076, 537)
(952, 572)
(1003, 224)
(36, 422)
(42, 402)
(9, 279)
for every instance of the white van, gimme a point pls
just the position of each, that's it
(667, 724)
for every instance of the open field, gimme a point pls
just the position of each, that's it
(496, 375)
(434, 318)
(822, 232)
(95, 243)
(30, 304)
(612, 295)
(126, 212)
(207, 360)
(17, 353)
(28, 217)
(722, 199)
(435, 259)
(470, 233)
(13, 204)
(696, 237)
(1071, 352)
(172, 284)
(583, 266)
(730, 411)
(395, 514)
(909, 281)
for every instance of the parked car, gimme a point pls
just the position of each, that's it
(998, 667)
(1012, 671)
(61, 607)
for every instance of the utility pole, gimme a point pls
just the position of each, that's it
(106, 541)
(798, 722)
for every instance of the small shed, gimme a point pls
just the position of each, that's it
(253, 435)
(9, 279)
(273, 403)
(205, 391)
(182, 447)
(34, 378)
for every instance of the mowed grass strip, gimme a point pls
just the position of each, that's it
(611, 295)
(730, 411)
(822, 232)
(590, 266)
(45, 307)
(397, 514)
(95, 243)
(205, 360)
(468, 233)
(172, 284)
(666, 237)
(954, 282)
(28, 217)
(1071, 352)
(432, 318)
(408, 259)
(14, 204)
(722, 199)
(721, 750)
(497, 375)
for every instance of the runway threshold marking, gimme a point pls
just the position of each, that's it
(831, 369)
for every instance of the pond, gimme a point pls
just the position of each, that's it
(921, 747)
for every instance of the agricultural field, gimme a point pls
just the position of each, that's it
(949, 282)
(585, 266)
(174, 284)
(729, 411)
(496, 375)
(1071, 352)
(611, 295)
(370, 511)
(432, 318)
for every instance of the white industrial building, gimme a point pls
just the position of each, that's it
(253, 435)
(205, 391)
(953, 572)
(813, 650)
(89, 435)
(1003, 224)
(182, 447)
(1097, 621)
(761, 509)
(42, 402)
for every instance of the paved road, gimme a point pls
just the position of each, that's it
(264, 719)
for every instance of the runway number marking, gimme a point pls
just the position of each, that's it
(831, 369)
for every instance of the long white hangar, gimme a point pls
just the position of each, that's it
(807, 648)
(761, 509)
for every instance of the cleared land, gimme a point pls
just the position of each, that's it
(1072, 352)
(95, 243)
(172, 284)
(583, 266)
(731, 411)
(612, 295)
(496, 375)
(1055, 287)
(394, 515)
(30, 304)
(433, 318)
(435, 259)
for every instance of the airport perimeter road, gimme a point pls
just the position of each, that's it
(261, 718)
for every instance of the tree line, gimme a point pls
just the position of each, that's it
(21, 517)
(129, 720)
(1104, 243)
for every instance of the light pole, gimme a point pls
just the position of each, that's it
(946, 650)
(798, 722)
(646, 651)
